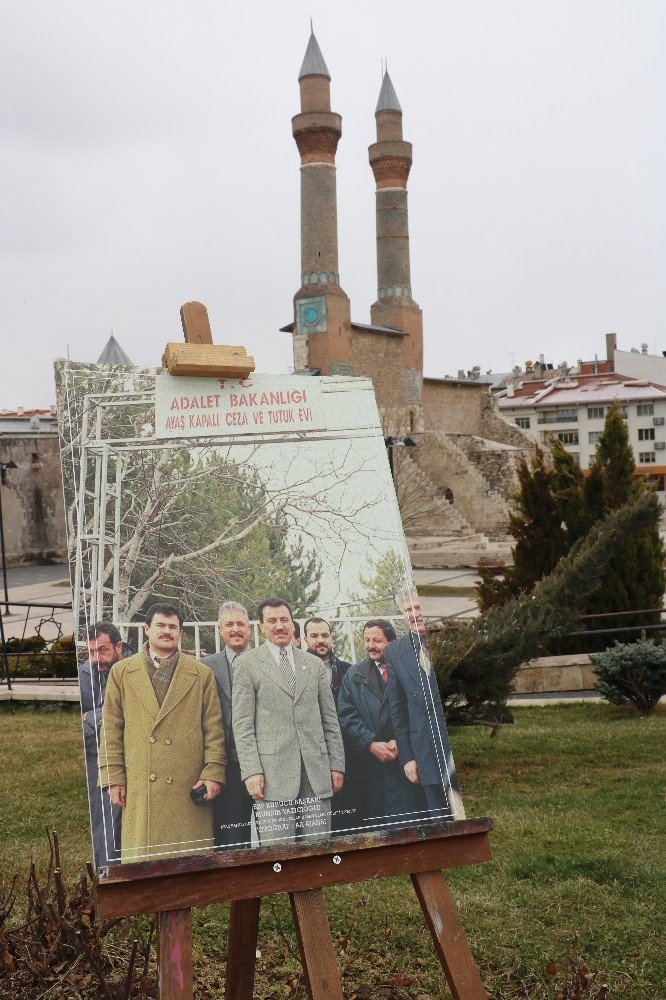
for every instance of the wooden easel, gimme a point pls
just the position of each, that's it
(173, 887)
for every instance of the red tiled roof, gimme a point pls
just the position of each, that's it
(600, 388)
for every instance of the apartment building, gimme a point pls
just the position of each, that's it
(572, 408)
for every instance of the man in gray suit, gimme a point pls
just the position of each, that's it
(232, 808)
(287, 733)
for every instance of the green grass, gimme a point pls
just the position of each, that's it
(578, 849)
(442, 590)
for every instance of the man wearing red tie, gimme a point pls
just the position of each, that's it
(385, 797)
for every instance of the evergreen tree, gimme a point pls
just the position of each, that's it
(477, 661)
(569, 486)
(536, 524)
(634, 578)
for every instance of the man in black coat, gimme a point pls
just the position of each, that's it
(424, 751)
(384, 797)
(232, 809)
(319, 641)
(105, 647)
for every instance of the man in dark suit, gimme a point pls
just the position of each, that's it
(319, 641)
(105, 647)
(287, 733)
(384, 797)
(232, 808)
(418, 718)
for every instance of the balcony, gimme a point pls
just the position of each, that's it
(558, 417)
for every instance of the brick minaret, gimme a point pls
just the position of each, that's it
(322, 321)
(391, 161)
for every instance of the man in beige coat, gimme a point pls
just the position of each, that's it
(162, 737)
(287, 733)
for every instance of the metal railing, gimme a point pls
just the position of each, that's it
(38, 655)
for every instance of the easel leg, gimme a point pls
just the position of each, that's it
(447, 932)
(322, 978)
(242, 950)
(174, 955)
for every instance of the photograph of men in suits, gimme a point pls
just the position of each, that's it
(287, 733)
(424, 752)
(162, 737)
(232, 808)
(385, 797)
(105, 647)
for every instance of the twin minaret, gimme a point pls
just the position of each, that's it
(322, 330)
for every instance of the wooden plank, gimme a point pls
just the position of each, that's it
(207, 360)
(447, 932)
(174, 955)
(242, 950)
(322, 978)
(211, 885)
(450, 829)
(196, 325)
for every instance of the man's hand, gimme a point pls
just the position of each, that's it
(255, 785)
(118, 794)
(412, 772)
(212, 788)
(383, 751)
(337, 780)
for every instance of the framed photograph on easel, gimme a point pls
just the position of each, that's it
(256, 684)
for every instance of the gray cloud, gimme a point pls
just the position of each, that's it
(146, 159)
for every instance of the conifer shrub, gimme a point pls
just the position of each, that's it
(632, 673)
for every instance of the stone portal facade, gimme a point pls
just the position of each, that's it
(457, 480)
(33, 513)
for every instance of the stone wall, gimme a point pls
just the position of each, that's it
(452, 407)
(497, 428)
(498, 463)
(32, 504)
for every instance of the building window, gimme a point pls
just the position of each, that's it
(645, 409)
(523, 422)
(568, 416)
(646, 433)
(645, 457)
(624, 411)
(568, 437)
(595, 413)
(593, 436)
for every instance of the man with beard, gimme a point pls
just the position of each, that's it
(319, 641)
(232, 808)
(417, 715)
(105, 647)
(386, 797)
(287, 733)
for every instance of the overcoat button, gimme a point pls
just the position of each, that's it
(153, 777)
(169, 781)
(168, 742)
(152, 739)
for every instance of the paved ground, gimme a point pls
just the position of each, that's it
(68, 691)
(447, 607)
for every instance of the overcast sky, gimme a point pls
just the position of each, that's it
(146, 160)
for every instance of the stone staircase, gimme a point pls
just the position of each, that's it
(446, 465)
(438, 536)
(422, 509)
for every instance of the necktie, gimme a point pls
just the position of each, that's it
(424, 660)
(383, 671)
(287, 672)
